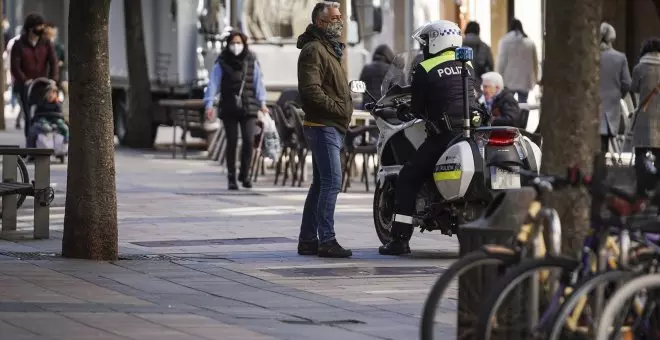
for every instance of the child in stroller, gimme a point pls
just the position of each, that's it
(48, 128)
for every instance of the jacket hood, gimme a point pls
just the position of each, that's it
(384, 54)
(471, 38)
(650, 58)
(310, 34)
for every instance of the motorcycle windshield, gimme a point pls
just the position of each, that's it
(401, 70)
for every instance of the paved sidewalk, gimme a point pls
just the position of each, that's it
(200, 262)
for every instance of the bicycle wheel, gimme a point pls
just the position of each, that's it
(621, 301)
(576, 317)
(468, 266)
(525, 299)
(22, 176)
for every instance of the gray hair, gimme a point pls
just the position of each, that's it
(493, 79)
(322, 7)
(607, 33)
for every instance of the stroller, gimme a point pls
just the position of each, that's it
(46, 128)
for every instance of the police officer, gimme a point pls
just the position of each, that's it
(436, 89)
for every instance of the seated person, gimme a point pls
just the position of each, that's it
(48, 115)
(499, 101)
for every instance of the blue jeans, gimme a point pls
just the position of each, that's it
(318, 218)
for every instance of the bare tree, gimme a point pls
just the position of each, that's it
(571, 103)
(139, 130)
(90, 217)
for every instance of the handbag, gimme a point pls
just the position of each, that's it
(239, 97)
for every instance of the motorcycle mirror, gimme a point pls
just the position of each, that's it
(358, 86)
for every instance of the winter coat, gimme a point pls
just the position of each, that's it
(645, 77)
(228, 74)
(505, 109)
(322, 83)
(517, 62)
(614, 84)
(32, 62)
(483, 56)
(374, 73)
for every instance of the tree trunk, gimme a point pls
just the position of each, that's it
(90, 217)
(3, 81)
(571, 105)
(139, 127)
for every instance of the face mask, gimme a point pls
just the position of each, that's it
(236, 49)
(334, 29)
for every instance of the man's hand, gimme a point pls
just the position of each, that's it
(210, 114)
(264, 109)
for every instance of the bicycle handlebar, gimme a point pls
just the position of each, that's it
(574, 178)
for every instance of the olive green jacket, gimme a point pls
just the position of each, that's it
(322, 83)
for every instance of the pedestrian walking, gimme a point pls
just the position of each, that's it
(237, 77)
(52, 35)
(15, 96)
(32, 56)
(483, 56)
(646, 83)
(517, 61)
(328, 108)
(614, 85)
(374, 73)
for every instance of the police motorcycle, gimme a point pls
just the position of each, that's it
(465, 178)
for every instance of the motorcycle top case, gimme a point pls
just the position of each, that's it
(454, 171)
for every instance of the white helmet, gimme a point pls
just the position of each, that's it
(439, 35)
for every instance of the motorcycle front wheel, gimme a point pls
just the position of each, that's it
(383, 210)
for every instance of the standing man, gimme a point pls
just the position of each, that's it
(32, 57)
(51, 35)
(328, 107)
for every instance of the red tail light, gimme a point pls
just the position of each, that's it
(502, 137)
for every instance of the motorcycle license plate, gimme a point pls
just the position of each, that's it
(502, 179)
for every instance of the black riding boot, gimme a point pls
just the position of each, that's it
(247, 183)
(231, 182)
(401, 233)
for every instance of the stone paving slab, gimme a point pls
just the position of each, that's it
(203, 280)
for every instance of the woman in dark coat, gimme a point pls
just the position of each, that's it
(645, 82)
(374, 73)
(237, 77)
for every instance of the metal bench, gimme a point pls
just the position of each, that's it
(40, 189)
(186, 114)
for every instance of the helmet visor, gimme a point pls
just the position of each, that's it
(418, 34)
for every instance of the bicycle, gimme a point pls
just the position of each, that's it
(632, 293)
(530, 241)
(23, 176)
(581, 310)
(554, 276)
